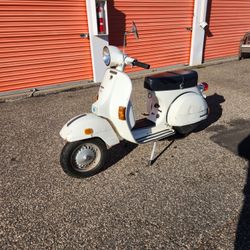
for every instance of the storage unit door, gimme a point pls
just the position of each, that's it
(40, 43)
(162, 26)
(228, 21)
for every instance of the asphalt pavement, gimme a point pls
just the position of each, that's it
(195, 196)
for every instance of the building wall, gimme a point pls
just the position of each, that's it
(162, 26)
(228, 21)
(40, 43)
(40, 40)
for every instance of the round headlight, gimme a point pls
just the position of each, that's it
(106, 56)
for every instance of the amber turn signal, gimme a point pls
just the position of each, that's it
(122, 113)
(88, 131)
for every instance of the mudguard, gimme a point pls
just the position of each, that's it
(74, 129)
(188, 108)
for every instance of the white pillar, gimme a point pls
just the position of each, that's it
(198, 32)
(97, 41)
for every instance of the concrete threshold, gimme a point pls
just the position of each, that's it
(15, 95)
(45, 90)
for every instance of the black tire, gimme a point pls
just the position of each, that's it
(186, 130)
(91, 153)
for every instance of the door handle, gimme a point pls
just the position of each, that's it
(189, 28)
(84, 35)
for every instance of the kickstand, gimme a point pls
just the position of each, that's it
(152, 155)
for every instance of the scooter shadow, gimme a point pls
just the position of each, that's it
(124, 148)
(214, 103)
(119, 151)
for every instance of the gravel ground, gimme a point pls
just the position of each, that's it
(195, 196)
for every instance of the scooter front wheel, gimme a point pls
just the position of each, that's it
(83, 158)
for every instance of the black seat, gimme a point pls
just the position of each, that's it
(171, 80)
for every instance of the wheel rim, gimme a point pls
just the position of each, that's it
(85, 157)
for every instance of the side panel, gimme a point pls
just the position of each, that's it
(162, 27)
(74, 129)
(40, 43)
(165, 99)
(228, 21)
(187, 109)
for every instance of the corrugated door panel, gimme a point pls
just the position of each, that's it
(40, 43)
(229, 20)
(163, 37)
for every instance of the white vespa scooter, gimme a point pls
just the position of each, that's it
(175, 104)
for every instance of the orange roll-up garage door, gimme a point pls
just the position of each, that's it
(228, 22)
(40, 43)
(162, 25)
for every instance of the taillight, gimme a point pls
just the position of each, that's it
(203, 86)
(95, 98)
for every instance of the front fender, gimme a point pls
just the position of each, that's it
(74, 129)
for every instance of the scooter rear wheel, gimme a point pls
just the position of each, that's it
(83, 158)
(186, 130)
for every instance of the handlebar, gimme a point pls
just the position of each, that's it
(140, 64)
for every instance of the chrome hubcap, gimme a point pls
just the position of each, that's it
(86, 157)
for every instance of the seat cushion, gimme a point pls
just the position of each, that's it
(171, 80)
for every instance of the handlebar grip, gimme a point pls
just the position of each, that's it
(141, 64)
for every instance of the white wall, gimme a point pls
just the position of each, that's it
(198, 32)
